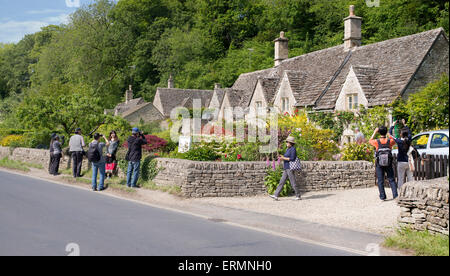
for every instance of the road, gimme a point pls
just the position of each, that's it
(42, 218)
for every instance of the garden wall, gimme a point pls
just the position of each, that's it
(217, 179)
(36, 156)
(424, 205)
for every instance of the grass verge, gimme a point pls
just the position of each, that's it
(150, 185)
(15, 165)
(423, 243)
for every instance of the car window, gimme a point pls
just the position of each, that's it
(420, 142)
(439, 140)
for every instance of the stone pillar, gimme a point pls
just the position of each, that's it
(281, 49)
(352, 36)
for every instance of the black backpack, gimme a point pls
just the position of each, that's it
(93, 154)
(384, 154)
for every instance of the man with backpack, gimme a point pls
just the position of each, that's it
(383, 146)
(95, 155)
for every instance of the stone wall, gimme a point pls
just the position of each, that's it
(424, 205)
(219, 179)
(36, 156)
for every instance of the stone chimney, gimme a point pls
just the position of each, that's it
(281, 49)
(352, 36)
(171, 82)
(129, 94)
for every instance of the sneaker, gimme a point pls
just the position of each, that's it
(274, 197)
(297, 198)
(94, 189)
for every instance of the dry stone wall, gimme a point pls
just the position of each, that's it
(424, 205)
(225, 179)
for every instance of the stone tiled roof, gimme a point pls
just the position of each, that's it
(297, 82)
(134, 109)
(393, 63)
(172, 97)
(237, 97)
(384, 68)
(124, 107)
(269, 86)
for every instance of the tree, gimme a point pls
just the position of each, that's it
(60, 107)
(429, 109)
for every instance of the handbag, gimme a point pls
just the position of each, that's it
(295, 165)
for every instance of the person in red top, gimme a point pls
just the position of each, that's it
(384, 144)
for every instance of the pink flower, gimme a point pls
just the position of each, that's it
(273, 165)
(268, 162)
(239, 156)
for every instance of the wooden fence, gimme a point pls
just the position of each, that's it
(428, 167)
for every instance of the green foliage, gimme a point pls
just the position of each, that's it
(149, 168)
(202, 152)
(272, 180)
(423, 243)
(371, 118)
(108, 45)
(354, 151)
(335, 121)
(60, 107)
(429, 109)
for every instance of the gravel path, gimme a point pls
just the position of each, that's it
(358, 209)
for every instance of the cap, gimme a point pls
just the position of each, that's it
(135, 130)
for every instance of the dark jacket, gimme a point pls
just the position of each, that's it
(135, 148)
(292, 154)
(402, 149)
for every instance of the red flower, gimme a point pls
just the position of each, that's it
(239, 156)
(226, 155)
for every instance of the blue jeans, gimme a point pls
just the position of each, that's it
(95, 168)
(389, 171)
(133, 173)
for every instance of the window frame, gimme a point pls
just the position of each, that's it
(433, 137)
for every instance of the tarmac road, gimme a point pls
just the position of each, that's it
(43, 218)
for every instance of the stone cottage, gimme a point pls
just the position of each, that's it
(136, 111)
(166, 99)
(345, 76)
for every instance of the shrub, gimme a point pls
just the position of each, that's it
(202, 152)
(354, 151)
(272, 179)
(154, 143)
(149, 169)
(13, 141)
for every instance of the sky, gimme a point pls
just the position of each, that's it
(21, 17)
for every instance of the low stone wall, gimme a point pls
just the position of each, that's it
(225, 179)
(36, 156)
(424, 205)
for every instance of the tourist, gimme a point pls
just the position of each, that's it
(383, 147)
(111, 161)
(288, 172)
(95, 155)
(55, 155)
(404, 144)
(76, 145)
(359, 137)
(134, 156)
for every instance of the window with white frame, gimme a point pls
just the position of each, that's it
(352, 102)
(285, 104)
